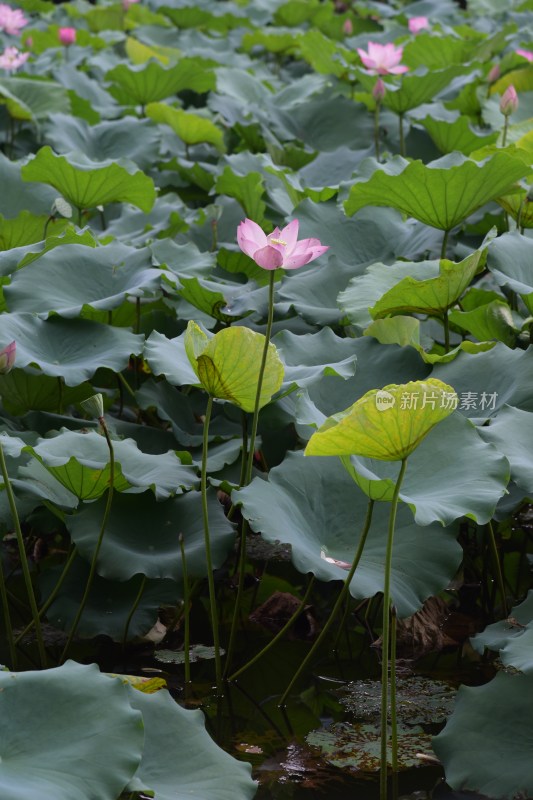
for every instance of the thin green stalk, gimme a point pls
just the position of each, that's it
(125, 384)
(279, 635)
(79, 217)
(497, 566)
(92, 570)
(44, 608)
(385, 639)
(133, 610)
(376, 131)
(207, 540)
(338, 603)
(186, 611)
(393, 715)
(249, 469)
(444, 244)
(446, 323)
(23, 559)
(61, 394)
(402, 137)
(7, 620)
(505, 129)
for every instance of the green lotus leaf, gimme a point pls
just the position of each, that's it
(437, 51)
(193, 16)
(313, 505)
(492, 320)
(18, 196)
(151, 82)
(387, 424)
(509, 260)
(139, 52)
(511, 432)
(324, 55)
(486, 381)
(480, 751)
(26, 390)
(414, 89)
(70, 348)
(307, 358)
(80, 461)
(75, 277)
(433, 296)
(80, 718)
(224, 302)
(458, 135)
(27, 99)
(227, 365)
(512, 637)
(180, 759)
(27, 228)
(109, 603)
(191, 128)
(437, 486)
(517, 205)
(406, 332)
(141, 536)
(87, 184)
(248, 190)
(357, 746)
(435, 193)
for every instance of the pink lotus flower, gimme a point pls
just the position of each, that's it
(347, 27)
(7, 358)
(525, 53)
(494, 73)
(11, 59)
(67, 36)
(509, 101)
(127, 3)
(279, 248)
(12, 20)
(383, 59)
(417, 24)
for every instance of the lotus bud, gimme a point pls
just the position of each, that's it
(7, 358)
(379, 91)
(94, 406)
(509, 101)
(67, 36)
(494, 73)
(347, 27)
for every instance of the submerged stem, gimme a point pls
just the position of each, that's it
(385, 639)
(338, 603)
(497, 566)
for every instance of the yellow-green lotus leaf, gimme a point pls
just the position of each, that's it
(386, 424)
(228, 364)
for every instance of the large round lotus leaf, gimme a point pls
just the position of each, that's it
(484, 382)
(150, 82)
(80, 461)
(180, 760)
(435, 193)
(69, 348)
(313, 505)
(110, 602)
(509, 260)
(168, 357)
(191, 128)
(358, 746)
(513, 637)
(414, 88)
(387, 424)
(227, 365)
(87, 184)
(487, 742)
(457, 134)
(142, 535)
(309, 357)
(68, 733)
(66, 279)
(511, 432)
(453, 473)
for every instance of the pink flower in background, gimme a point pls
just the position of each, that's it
(525, 53)
(127, 3)
(509, 101)
(11, 59)
(67, 36)
(383, 59)
(12, 20)
(347, 28)
(494, 73)
(279, 248)
(417, 24)
(7, 358)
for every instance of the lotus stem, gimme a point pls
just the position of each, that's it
(385, 641)
(402, 137)
(279, 635)
(7, 620)
(393, 714)
(186, 612)
(376, 131)
(505, 129)
(249, 469)
(444, 244)
(23, 559)
(92, 569)
(446, 324)
(338, 603)
(208, 558)
(133, 610)
(497, 566)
